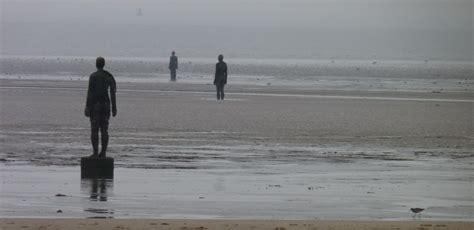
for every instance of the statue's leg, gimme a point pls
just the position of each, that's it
(94, 134)
(104, 133)
(222, 92)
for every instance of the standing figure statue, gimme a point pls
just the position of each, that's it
(98, 106)
(173, 66)
(220, 78)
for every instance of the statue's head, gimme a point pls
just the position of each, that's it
(100, 62)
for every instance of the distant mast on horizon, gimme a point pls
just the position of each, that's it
(139, 12)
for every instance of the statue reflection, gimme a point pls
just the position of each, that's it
(98, 190)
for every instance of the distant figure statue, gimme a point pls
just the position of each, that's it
(98, 106)
(220, 78)
(173, 66)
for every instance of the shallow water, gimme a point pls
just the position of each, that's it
(367, 190)
(367, 75)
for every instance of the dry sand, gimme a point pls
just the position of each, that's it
(145, 224)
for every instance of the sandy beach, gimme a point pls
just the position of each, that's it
(145, 224)
(263, 153)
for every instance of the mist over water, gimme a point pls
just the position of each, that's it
(264, 42)
(301, 29)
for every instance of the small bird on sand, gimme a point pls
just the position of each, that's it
(417, 211)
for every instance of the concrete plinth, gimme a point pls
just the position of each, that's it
(97, 167)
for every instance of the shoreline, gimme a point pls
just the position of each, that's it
(192, 224)
(316, 75)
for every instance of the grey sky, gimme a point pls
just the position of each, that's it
(416, 14)
(319, 29)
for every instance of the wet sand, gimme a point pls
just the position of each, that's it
(287, 114)
(263, 153)
(44, 224)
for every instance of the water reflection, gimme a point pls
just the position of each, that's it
(98, 191)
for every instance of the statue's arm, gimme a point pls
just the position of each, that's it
(87, 110)
(113, 90)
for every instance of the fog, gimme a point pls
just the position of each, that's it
(393, 29)
(418, 14)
